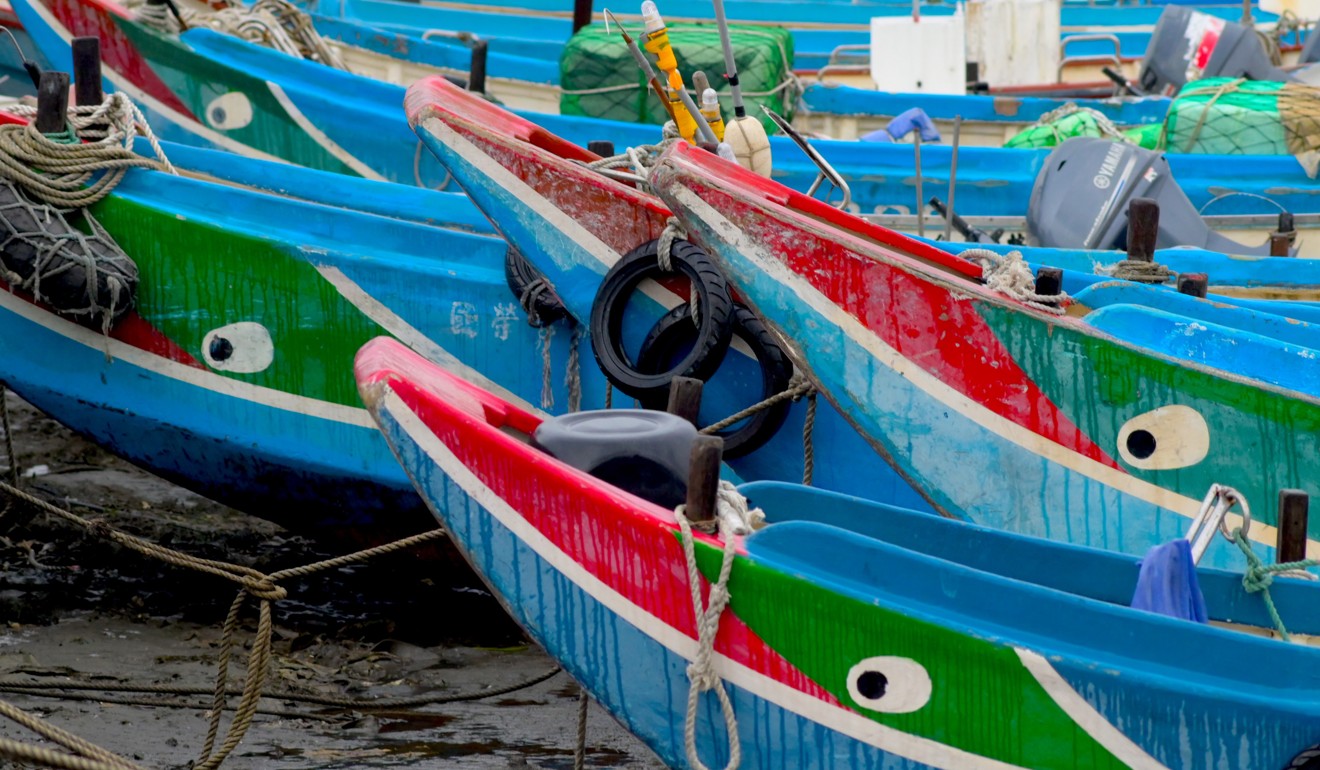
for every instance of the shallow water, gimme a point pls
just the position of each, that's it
(74, 608)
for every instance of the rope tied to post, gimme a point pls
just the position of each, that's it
(733, 518)
(1010, 275)
(1259, 576)
(58, 169)
(1138, 271)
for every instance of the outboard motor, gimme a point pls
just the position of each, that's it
(647, 453)
(1310, 52)
(1189, 45)
(1080, 200)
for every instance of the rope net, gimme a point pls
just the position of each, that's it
(1233, 116)
(599, 78)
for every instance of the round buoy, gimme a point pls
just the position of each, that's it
(750, 144)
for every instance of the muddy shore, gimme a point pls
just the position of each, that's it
(74, 608)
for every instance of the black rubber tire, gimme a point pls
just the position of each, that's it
(675, 330)
(612, 299)
(1306, 759)
(518, 274)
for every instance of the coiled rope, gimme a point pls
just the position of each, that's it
(59, 169)
(275, 24)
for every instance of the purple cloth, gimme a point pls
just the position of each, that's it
(1167, 583)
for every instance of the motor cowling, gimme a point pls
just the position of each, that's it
(1080, 200)
(1188, 45)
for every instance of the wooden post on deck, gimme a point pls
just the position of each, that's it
(1280, 245)
(581, 14)
(685, 398)
(87, 71)
(1294, 505)
(477, 67)
(1143, 229)
(1194, 284)
(704, 479)
(1049, 281)
(52, 102)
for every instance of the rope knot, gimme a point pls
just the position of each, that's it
(100, 528)
(265, 589)
(1010, 275)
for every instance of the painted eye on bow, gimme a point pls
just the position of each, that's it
(242, 348)
(229, 112)
(1166, 438)
(889, 684)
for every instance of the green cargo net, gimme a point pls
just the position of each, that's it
(1232, 116)
(1071, 120)
(599, 78)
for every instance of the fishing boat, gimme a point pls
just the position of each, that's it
(831, 55)
(855, 635)
(1116, 419)
(231, 375)
(264, 103)
(533, 157)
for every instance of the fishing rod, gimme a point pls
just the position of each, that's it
(653, 78)
(642, 61)
(744, 134)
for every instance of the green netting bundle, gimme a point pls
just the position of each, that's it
(600, 79)
(1230, 116)
(1071, 120)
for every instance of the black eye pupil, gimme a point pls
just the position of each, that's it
(1141, 444)
(872, 685)
(218, 114)
(221, 349)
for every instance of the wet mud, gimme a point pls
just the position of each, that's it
(77, 609)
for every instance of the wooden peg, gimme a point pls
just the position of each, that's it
(52, 102)
(1194, 284)
(1143, 229)
(1294, 505)
(704, 479)
(87, 71)
(1049, 281)
(685, 398)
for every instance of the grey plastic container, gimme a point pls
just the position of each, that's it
(641, 451)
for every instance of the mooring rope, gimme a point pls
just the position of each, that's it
(1010, 275)
(24, 752)
(254, 584)
(275, 24)
(1259, 576)
(1139, 271)
(57, 169)
(68, 740)
(336, 701)
(580, 747)
(544, 335)
(733, 518)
